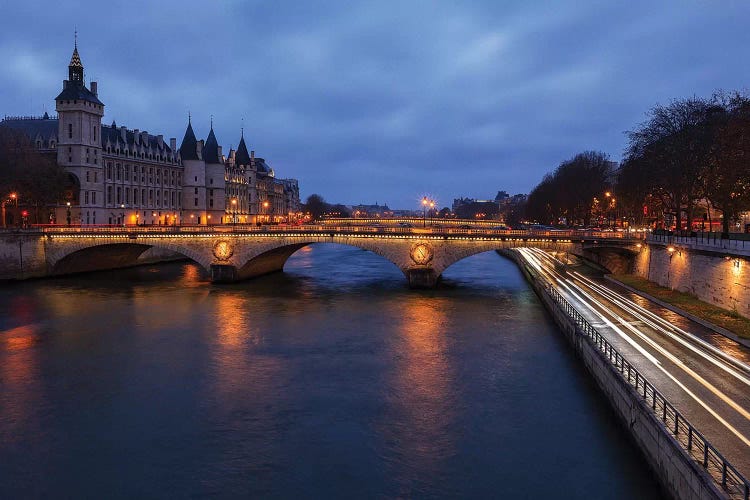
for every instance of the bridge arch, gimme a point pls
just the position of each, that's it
(87, 256)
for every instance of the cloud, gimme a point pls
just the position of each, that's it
(383, 101)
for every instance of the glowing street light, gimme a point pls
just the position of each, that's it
(425, 202)
(234, 211)
(67, 213)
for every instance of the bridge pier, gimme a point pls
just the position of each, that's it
(422, 278)
(224, 273)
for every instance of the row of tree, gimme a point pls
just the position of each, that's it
(687, 158)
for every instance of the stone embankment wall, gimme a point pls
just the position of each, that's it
(722, 280)
(679, 475)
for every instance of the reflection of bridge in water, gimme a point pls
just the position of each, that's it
(232, 253)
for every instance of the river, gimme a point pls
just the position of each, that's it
(330, 379)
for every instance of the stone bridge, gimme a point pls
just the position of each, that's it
(231, 254)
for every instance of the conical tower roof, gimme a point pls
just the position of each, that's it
(189, 146)
(75, 60)
(211, 149)
(242, 157)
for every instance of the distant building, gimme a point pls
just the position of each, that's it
(122, 176)
(371, 211)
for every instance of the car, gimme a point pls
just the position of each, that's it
(405, 224)
(501, 227)
(465, 226)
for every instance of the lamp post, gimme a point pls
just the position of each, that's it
(122, 214)
(432, 207)
(234, 211)
(265, 209)
(67, 213)
(14, 198)
(424, 212)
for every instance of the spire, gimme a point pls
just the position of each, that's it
(242, 157)
(75, 68)
(189, 147)
(211, 149)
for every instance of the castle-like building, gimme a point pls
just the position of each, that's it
(120, 176)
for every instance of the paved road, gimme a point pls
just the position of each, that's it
(705, 377)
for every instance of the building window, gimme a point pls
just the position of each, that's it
(70, 130)
(96, 175)
(109, 194)
(93, 202)
(196, 178)
(196, 202)
(119, 195)
(211, 203)
(86, 197)
(95, 133)
(196, 190)
(211, 180)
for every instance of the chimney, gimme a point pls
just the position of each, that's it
(94, 89)
(160, 141)
(124, 134)
(219, 152)
(200, 149)
(136, 136)
(173, 143)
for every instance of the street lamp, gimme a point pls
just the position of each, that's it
(122, 214)
(67, 213)
(424, 211)
(432, 207)
(234, 211)
(265, 210)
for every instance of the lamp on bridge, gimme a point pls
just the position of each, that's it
(265, 210)
(67, 212)
(234, 211)
(122, 214)
(424, 211)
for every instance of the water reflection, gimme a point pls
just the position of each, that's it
(417, 425)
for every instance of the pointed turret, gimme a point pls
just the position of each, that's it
(189, 146)
(242, 157)
(75, 68)
(211, 149)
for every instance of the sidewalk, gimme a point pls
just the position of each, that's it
(721, 331)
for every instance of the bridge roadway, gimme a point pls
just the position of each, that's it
(231, 253)
(705, 376)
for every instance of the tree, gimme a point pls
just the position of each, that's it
(727, 179)
(34, 177)
(316, 205)
(340, 210)
(672, 149)
(569, 192)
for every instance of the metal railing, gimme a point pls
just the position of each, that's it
(691, 440)
(736, 241)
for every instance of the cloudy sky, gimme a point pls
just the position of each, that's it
(383, 101)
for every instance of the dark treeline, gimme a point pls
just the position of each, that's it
(33, 178)
(686, 161)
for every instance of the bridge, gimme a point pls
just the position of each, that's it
(233, 253)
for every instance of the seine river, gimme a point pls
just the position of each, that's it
(329, 380)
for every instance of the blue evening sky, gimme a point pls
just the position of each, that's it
(383, 101)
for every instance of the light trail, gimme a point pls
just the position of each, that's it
(535, 257)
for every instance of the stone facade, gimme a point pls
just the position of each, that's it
(721, 280)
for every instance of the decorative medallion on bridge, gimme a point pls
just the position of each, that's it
(421, 253)
(223, 250)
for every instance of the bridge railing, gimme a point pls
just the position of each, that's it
(353, 229)
(691, 440)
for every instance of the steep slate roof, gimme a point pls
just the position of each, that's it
(242, 157)
(32, 127)
(189, 147)
(211, 149)
(77, 91)
(75, 59)
(113, 134)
